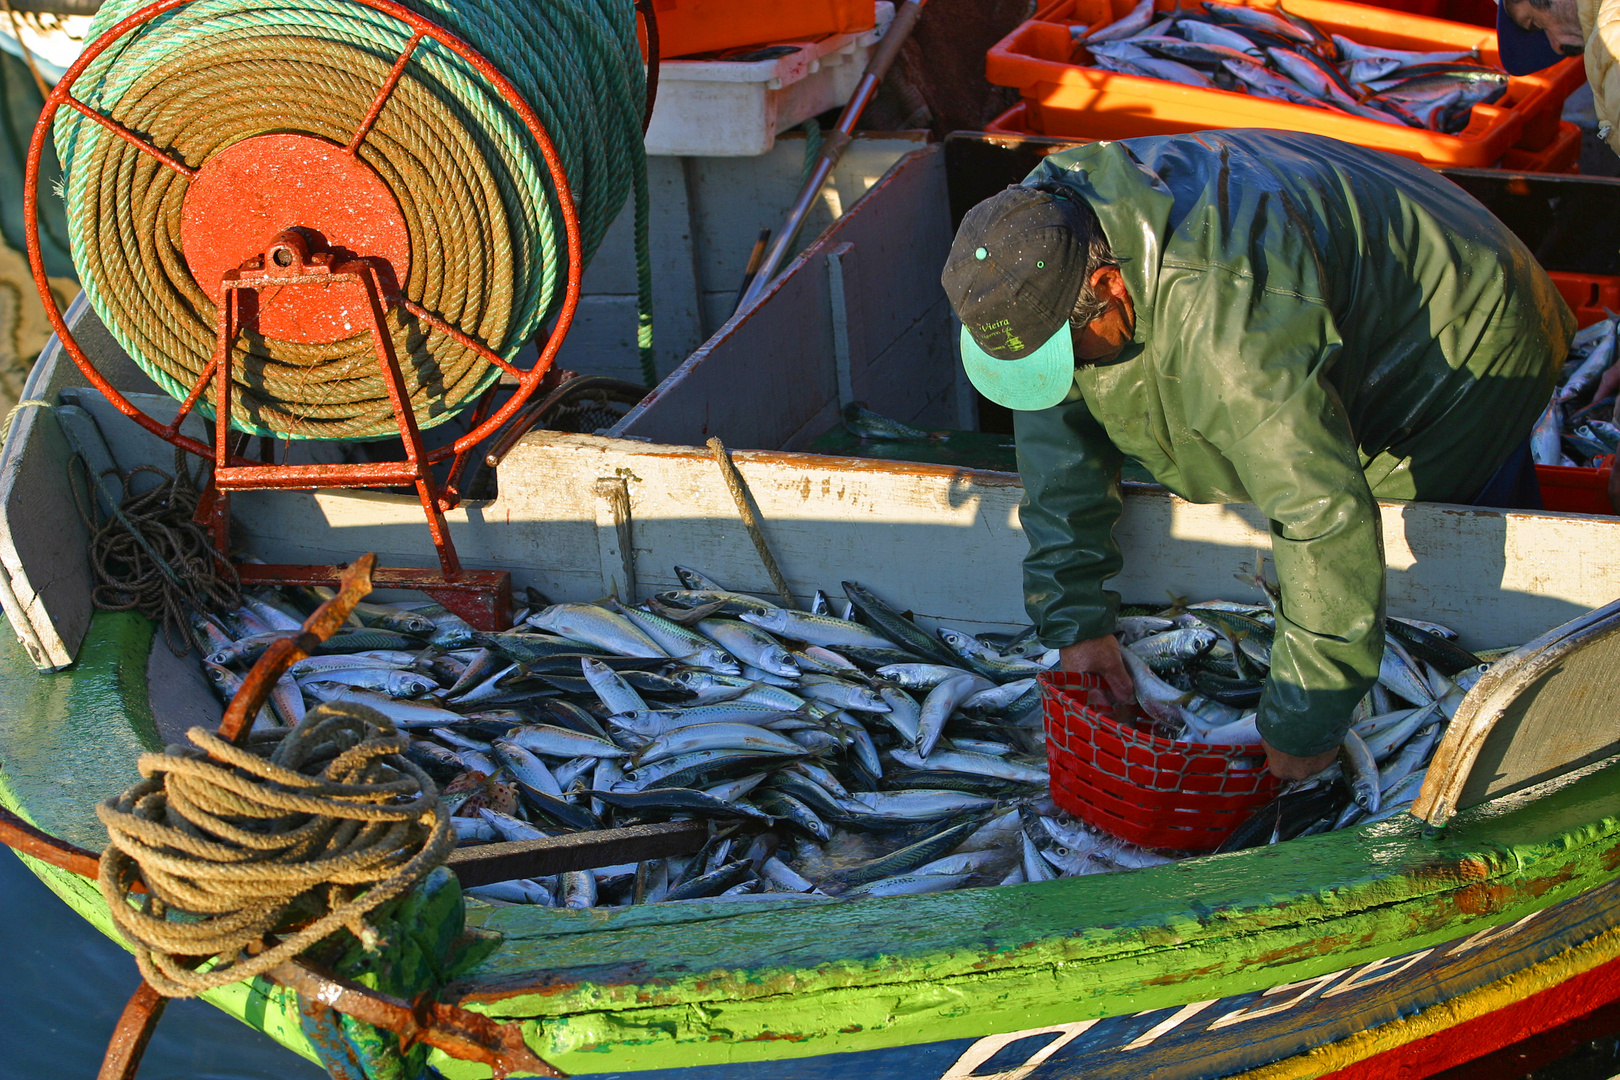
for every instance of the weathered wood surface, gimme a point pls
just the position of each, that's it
(1539, 713)
(776, 375)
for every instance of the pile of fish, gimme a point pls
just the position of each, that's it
(842, 751)
(1576, 429)
(1199, 672)
(1272, 53)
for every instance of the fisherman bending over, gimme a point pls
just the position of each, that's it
(1253, 316)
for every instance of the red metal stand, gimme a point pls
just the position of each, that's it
(482, 597)
(240, 206)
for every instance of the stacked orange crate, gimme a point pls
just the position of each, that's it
(1064, 96)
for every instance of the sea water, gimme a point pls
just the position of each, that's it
(63, 984)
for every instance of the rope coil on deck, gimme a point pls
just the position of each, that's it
(298, 833)
(487, 244)
(151, 556)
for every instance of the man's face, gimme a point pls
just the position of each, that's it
(1561, 23)
(1105, 337)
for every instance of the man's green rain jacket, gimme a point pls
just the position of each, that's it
(1317, 325)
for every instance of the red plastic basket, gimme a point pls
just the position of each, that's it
(1149, 791)
(1575, 490)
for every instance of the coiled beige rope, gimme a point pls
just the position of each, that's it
(250, 855)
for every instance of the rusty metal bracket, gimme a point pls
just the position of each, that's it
(459, 1032)
(135, 1027)
(322, 623)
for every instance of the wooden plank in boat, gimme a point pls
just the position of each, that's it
(1541, 712)
(487, 863)
(42, 543)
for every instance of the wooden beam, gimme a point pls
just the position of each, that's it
(488, 863)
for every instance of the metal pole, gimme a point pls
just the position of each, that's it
(843, 132)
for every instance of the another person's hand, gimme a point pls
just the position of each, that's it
(1609, 384)
(1100, 656)
(1288, 767)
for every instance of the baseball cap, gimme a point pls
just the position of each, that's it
(1523, 52)
(1014, 272)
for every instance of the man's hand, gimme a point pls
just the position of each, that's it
(1100, 656)
(1288, 767)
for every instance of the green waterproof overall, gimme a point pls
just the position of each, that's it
(1318, 326)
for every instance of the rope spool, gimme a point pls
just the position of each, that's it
(298, 833)
(456, 186)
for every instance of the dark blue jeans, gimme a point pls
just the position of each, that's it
(1514, 485)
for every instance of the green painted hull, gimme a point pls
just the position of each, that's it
(679, 986)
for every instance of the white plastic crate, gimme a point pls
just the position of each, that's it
(723, 108)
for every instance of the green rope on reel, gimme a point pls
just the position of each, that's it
(488, 248)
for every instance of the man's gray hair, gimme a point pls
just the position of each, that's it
(1087, 306)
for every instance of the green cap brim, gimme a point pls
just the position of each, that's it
(1028, 384)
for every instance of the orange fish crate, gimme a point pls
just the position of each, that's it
(702, 26)
(1063, 96)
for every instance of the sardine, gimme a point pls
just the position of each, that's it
(941, 702)
(819, 630)
(750, 645)
(1360, 772)
(596, 626)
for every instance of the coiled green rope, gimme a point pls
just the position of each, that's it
(488, 251)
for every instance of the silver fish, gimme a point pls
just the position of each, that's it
(1130, 24)
(1398, 673)
(519, 891)
(904, 714)
(750, 645)
(380, 658)
(562, 742)
(719, 736)
(997, 698)
(942, 701)
(404, 714)
(1036, 868)
(911, 884)
(390, 681)
(919, 676)
(610, 687)
(784, 877)
(819, 630)
(596, 626)
(679, 641)
(963, 862)
(526, 768)
(916, 804)
(972, 764)
(1360, 772)
(578, 889)
(842, 693)
(1409, 758)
